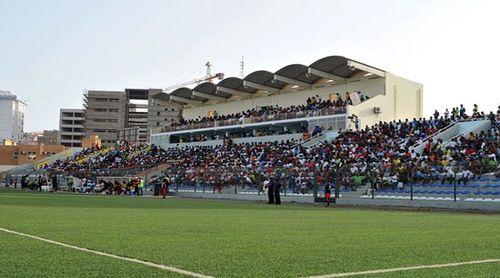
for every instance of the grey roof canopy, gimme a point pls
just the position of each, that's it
(336, 65)
(264, 78)
(298, 72)
(182, 92)
(205, 87)
(235, 83)
(337, 68)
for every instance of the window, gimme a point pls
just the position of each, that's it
(158, 113)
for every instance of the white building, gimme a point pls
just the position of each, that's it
(12, 111)
(71, 124)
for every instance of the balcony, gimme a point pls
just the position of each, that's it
(257, 119)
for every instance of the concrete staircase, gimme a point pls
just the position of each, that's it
(66, 154)
(455, 130)
(325, 136)
(96, 154)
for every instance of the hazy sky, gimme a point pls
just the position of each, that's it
(50, 51)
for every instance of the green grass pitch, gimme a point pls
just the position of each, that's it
(235, 239)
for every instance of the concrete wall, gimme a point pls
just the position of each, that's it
(369, 87)
(5, 168)
(18, 120)
(105, 114)
(12, 112)
(5, 119)
(474, 126)
(22, 154)
(71, 124)
(403, 99)
(162, 112)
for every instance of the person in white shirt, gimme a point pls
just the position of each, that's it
(464, 176)
(449, 175)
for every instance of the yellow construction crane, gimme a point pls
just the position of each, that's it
(209, 77)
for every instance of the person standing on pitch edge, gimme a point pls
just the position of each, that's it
(164, 186)
(328, 195)
(270, 190)
(276, 184)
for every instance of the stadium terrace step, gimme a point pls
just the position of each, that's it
(408, 197)
(136, 153)
(66, 154)
(29, 167)
(325, 136)
(93, 155)
(482, 200)
(155, 170)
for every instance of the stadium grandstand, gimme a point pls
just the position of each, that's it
(332, 94)
(336, 123)
(252, 139)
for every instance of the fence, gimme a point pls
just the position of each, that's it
(255, 119)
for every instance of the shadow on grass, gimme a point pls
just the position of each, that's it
(29, 198)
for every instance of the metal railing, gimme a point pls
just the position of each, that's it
(255, 119)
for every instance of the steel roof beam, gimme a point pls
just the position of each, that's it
(259, 86)
(326, 75)
(233, 92)
(207, 96)
(292, 81)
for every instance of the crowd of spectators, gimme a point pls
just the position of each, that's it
(264, 113)
(247, 133)
(383, 155)
(99, 161)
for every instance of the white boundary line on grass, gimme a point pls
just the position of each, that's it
(160, 266)
(378, 271)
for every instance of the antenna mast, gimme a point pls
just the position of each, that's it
(242, 67)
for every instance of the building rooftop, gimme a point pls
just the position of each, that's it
(337, 69)
(7, 95)
(10, 96)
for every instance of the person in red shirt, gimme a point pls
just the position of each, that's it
(328, 195)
